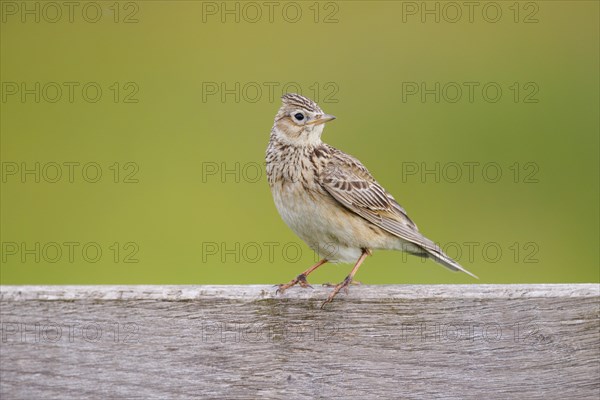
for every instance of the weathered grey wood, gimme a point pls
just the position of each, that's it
(237, 342)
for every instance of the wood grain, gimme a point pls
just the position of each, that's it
(242, 342)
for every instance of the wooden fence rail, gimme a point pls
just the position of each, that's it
(242, 342)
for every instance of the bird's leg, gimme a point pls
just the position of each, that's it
(344, 284)
(300, 279)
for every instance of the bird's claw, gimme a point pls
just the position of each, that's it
(299, 280)
(343, 285)
(329, 284)
(304, 283)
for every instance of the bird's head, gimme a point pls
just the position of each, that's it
(300, 121)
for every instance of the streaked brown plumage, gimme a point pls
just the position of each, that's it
(330, 200)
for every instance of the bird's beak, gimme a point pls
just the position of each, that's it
(321, 120)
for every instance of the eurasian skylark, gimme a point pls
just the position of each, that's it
(331, 201)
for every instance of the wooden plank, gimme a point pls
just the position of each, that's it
(238, 342)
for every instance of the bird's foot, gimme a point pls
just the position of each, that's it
(299, 280)
(343, 285)
(353, 282)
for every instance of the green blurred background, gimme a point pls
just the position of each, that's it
(191, 204)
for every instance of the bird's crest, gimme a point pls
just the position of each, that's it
(297, 100)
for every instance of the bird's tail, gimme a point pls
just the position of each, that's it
(447, 262)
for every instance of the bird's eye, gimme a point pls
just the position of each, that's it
(299, 116)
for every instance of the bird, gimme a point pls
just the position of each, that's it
(331, 201)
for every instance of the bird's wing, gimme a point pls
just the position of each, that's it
(351, 184)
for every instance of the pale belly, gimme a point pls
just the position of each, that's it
(326, 227)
